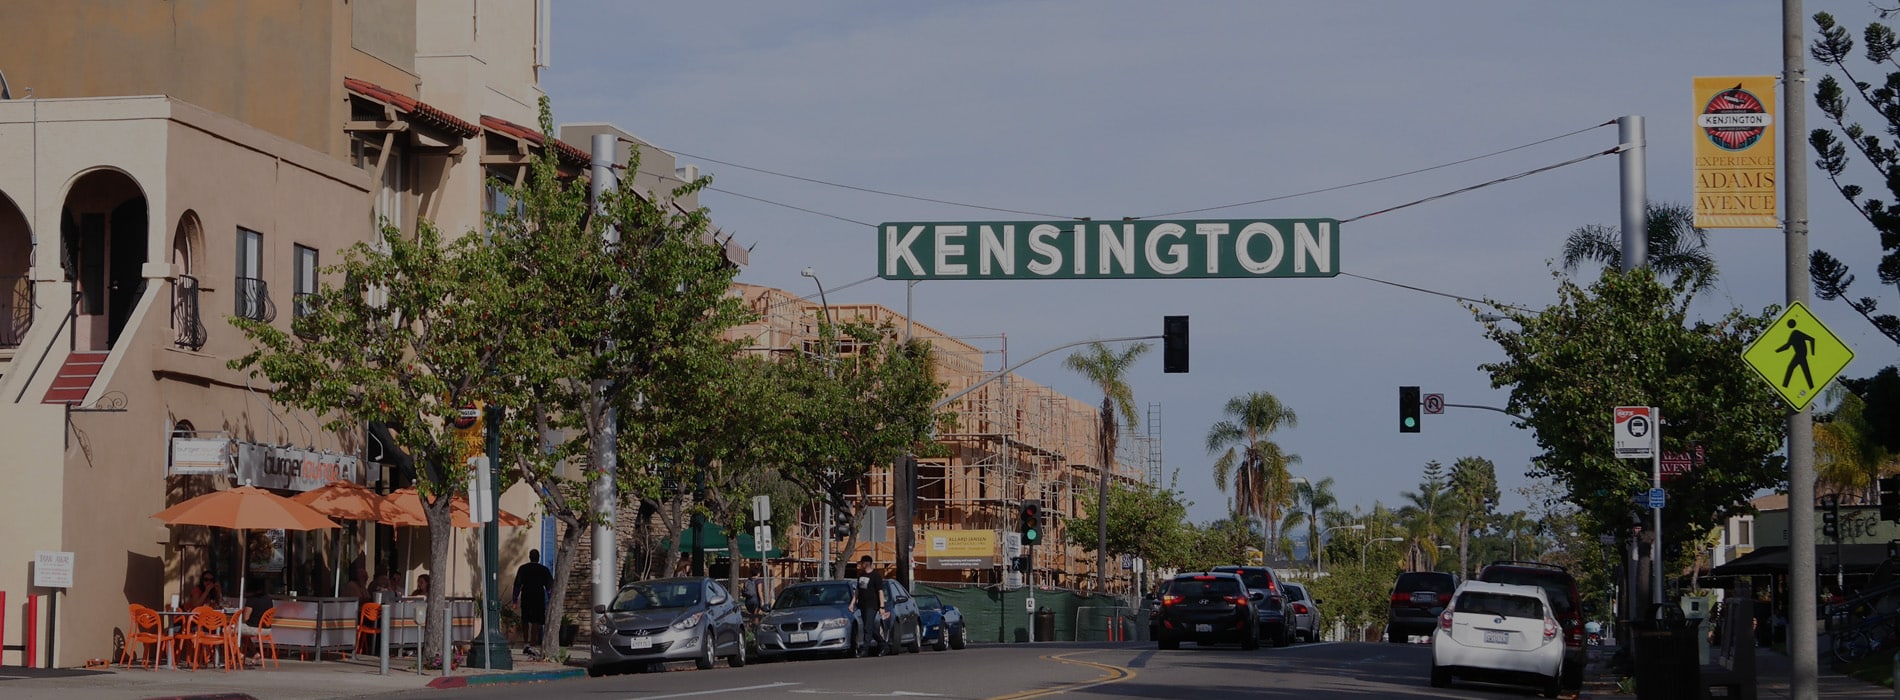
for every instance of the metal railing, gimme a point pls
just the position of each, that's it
(186, 318)
(16, 309)
(253, 300)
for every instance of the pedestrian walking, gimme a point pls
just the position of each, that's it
(871, 608)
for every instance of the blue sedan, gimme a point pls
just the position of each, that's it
(943, 624)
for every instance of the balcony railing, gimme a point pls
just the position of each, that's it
(185, 317)
(253, 300)
(16, 309)
(301, 305)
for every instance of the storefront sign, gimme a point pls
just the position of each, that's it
(959, 549)
(996, 250)
(292, 469)
(200, 455)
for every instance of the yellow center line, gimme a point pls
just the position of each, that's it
(1115, 673)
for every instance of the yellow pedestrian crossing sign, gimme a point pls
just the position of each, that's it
(1798, 355)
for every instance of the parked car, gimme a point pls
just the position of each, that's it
(1154, 607)
(904, 629)
(1566, 604)
(1305, 612)
(1275, 628)
(665, 620)
(1499, 632)
(1208, 608)
(1416, 601)
(814, 617)
(943, 624)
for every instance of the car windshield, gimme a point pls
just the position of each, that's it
(1504, 604)
(810, 596)
(1555, 588)
(1255, 578)
(1213, 586)
(1295, 593)
(657, 595)
(928, 602)
(1422, 581)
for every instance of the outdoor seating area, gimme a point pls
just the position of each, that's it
(203, 637)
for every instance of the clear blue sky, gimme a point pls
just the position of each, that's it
(1113, 109)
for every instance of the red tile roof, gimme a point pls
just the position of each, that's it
(567, 151)
(416, 109)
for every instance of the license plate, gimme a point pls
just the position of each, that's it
(1493, 637)
(1424, 596)
(1203, 628)
(798, 637)
(640, 643)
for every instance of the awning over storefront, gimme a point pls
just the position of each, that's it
(1854, 559)
(710, 538)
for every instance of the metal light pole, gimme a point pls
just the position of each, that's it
(824, 335)
(1368, 545)
(1802, 646)
(605, 459)
(1319, 546)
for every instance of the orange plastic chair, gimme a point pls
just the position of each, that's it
(234, 638)
(366, 624)
(145, 630)
(264, 637)
(208, 635)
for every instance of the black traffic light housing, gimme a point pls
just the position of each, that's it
(1408, 409)
(1174, 344)
(840, 517)
(1831, 517)
(1031, 523)
(1890, 498)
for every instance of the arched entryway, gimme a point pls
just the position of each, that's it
(103, 239)
(16, 286)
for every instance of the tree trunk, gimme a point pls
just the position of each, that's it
(1464, 549)
(440, 530)
(1101, 502)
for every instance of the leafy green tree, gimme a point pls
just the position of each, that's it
(411, 354)
(1218, 543)
(1251, 462)
(1676, 250)
(1627, 341)
(1108, 370)
(1848, 457)
(1143, 520)
(1474, 489)
(1832, 278)
(1427, 518)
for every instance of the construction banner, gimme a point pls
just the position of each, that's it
(1735, 152)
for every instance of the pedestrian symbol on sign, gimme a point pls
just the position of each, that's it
(1797, 341)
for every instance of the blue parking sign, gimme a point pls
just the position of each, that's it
(1655, 498)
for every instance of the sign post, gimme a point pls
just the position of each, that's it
(1638, 436)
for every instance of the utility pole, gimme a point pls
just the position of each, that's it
(1802, 646)
(605, 460)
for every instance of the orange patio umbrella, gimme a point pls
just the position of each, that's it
(403, 508)
(348, 501)
(245, 508)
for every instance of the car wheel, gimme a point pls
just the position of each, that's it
(1552, 687)
(596, 671)
(1572, 675)
(1440, 677)
(1393, 636)
(1252, 641)
(916, 645)
(737, 660)
(961, 639)
(943, 641)
(706, 652)
(1169, 643)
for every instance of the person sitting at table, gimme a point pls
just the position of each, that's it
(259, 601)
(353, 587)
(422, 586)
(384, 582)
(207, 592)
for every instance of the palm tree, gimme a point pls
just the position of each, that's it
(1255, 464)
(1309, 500)
(1423, 519)
(1474, 487)
(1676, 247)
(1848, 456)
(1107, 369)
(1517, 528)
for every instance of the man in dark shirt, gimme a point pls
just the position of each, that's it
(532, 582)
(870, 607)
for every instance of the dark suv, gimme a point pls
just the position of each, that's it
(1208, 608)
(1417, 599)
(1565, 605)
(1275, 627)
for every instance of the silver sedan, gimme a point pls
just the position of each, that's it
(665, 620)
(1305, 611)
(811, 618)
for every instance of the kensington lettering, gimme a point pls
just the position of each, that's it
(1108, 250)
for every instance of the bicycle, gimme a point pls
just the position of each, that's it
(1870, 635)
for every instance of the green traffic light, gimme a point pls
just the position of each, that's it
(1031, 535)
(1409, 422)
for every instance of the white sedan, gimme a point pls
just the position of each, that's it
(1500, 633)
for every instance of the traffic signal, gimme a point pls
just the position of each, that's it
(1174, 344)
(1890, 498)
(840, 517)
(1031, 522)
(1408, 409)
(1019, 563)
(1831, 518)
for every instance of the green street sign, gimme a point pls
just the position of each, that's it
(1005, 250)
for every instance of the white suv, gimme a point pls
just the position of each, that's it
(1500, 633)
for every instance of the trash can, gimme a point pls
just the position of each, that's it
(1699, 609)
(1045, 625)
(1665, 655)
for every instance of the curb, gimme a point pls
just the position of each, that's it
(505, 678)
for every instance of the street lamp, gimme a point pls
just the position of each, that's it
(1368, 546)
(1319, 551)
(824, 336)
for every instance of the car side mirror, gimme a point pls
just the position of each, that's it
(721, 600)
(600, 610)
(1317, 601)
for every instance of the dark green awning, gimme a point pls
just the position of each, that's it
(711, 539)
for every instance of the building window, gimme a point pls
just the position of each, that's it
(1745, 532)
(366, 153)
(498, 198)
(303, 281)
(253, 297)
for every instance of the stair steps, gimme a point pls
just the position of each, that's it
(75, 378)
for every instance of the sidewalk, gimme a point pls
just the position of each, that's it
(295, 680)
(1773, 671)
